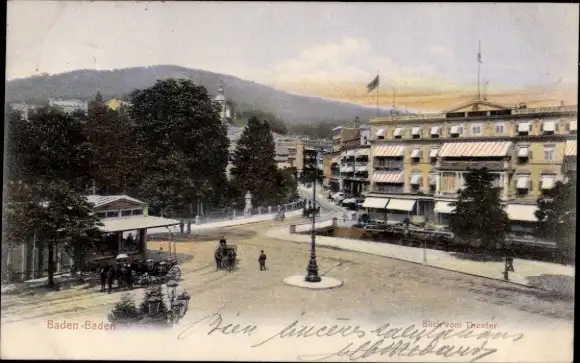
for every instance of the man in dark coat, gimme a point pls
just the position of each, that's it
(262, 260)
(103, 278)
(110, 277)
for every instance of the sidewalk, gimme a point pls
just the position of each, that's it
(227, 223)
(548, 276)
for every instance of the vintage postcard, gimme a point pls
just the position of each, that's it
(289, 181)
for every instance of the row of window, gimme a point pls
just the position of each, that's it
(476, 129)
(122, 213)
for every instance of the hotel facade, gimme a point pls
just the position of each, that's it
(419, 162)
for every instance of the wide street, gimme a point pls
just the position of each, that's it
(373, 287)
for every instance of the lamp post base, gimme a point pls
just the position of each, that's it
(312, 271)
(325, 283)
(312, 278)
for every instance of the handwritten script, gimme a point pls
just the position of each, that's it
(360, 343)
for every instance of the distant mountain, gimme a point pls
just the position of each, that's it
(83, 84)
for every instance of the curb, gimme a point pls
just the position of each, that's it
(426, 265)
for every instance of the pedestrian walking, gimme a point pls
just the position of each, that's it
(344, 217)
(262, 260)
(103, 278)
(110, 276)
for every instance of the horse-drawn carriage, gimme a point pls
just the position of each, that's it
(146, 273)
(226, 256)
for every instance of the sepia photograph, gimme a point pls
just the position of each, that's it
(289, 181)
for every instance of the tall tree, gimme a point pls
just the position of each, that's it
(557, 216)
(478, 215)
(55, 148)
(254, 168)
(183, 144)
(113, 148)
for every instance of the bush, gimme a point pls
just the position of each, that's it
(125, 312)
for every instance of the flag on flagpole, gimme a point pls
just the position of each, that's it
(374, 84)
(479, 58)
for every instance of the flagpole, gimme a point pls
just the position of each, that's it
(378, 85)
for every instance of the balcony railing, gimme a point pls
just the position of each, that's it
(388, 164)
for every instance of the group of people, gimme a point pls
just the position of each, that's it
(122, 273)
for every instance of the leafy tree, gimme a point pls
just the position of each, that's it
(478, 215)
(183, 145)
(17, 154)
(114, 152)
(54, 148)
(253, 165)
(125, 312)
(557, 216)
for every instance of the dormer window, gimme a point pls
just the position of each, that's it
(398, 133)
(416, 132)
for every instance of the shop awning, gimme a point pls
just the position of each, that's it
(521, 212)
(524, 127)
(401, 204)
(549, 126)
(435, 130)
(548, 181)
(474, 149)
(129, 224)
(378, 203)
(389, 151)
(443, 207)
(523, 152)
(523, 182)
(362, 152)
(574, 125)
(388, 177)
(571, 148)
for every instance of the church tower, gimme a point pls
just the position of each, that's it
(226, 108)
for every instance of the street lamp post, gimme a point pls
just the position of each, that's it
(312, 269)
(179, 304)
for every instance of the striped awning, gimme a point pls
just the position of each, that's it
(443, 207)
(548, 181)
(549, 126)
(378, 203)
(432, 179)
(389, 151)
(388, 177)
(524, 127)
(416, 179)
(524, 152)
(401, 204)
(521, 212)
(474, 149)
(522, 182)
(362, 152)
(571, 148)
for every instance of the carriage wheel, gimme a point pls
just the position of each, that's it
(175, 271)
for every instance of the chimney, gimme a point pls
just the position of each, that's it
(356, 123)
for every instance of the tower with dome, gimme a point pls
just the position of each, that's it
(227, 110)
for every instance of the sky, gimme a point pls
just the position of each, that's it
(421, 51)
